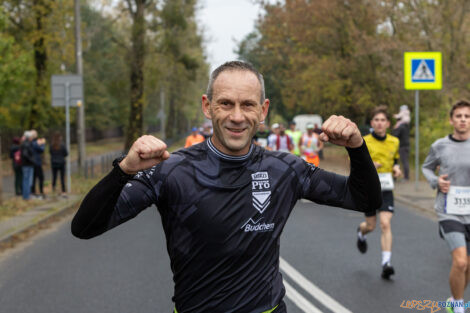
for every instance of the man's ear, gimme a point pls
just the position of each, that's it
(206, 104)
(264, 109)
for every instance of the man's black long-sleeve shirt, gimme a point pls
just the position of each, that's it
(223, 217)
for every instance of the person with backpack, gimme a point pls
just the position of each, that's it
(39, 145)
(58, 153)
(15, 155)
(27, 164)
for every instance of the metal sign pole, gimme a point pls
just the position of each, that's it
(67, 135)
(422, 71)
(161, 114)
(416, 139)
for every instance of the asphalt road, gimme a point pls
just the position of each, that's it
(127, 269)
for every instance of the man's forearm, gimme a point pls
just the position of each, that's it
(429, 167)
(97, 207)
(363, 181)
(430, 176)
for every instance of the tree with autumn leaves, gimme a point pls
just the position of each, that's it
(346, 57)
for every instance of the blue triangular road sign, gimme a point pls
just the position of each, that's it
(423, 71)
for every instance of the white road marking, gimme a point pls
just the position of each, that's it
(309, 287)
(300, 300)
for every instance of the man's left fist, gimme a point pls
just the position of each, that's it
(342, 132)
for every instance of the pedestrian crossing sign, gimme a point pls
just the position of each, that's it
(423, 70)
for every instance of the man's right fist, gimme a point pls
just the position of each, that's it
(146, 152)
(444, 183)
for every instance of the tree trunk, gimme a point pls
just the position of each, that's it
(137, 54)
(37, 114)
(170, 124)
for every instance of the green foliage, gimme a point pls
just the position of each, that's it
(178, 67)
(15, 79)
(432, 127)
(37, 41)
(40, 30)
(106, 76)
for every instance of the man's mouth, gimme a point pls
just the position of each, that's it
(235, 130)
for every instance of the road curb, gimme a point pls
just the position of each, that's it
(429, 212)
(29, 228)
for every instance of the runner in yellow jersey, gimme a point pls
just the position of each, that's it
(295, 135)
(383, 149)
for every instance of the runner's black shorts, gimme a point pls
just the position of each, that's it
(387, 204)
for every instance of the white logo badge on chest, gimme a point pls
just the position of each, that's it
(261, 190)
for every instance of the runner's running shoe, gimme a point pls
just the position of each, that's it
(449, 308)
(387, 270)
(361, 244)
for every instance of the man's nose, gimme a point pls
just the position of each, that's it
(237, 115)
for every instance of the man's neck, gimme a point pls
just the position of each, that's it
(219, 146)
(380, 134)
(461, 136)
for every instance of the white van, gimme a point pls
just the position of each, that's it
(302, 120)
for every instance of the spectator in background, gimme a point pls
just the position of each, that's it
(401, 130)
(15, 155)
(317, 130)
(27, 164)
(283, 141)
(295, 135)
(194, 138)
(58, 153)
(261, 136)
(403, 117)
(273, 137)
(38, 144)
(207, 130)
(310, 144)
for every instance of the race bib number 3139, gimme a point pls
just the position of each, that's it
(458, 200)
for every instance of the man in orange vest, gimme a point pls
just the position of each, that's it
(194, 138)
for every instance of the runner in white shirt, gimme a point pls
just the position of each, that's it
(272, 138)
(283, 141)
